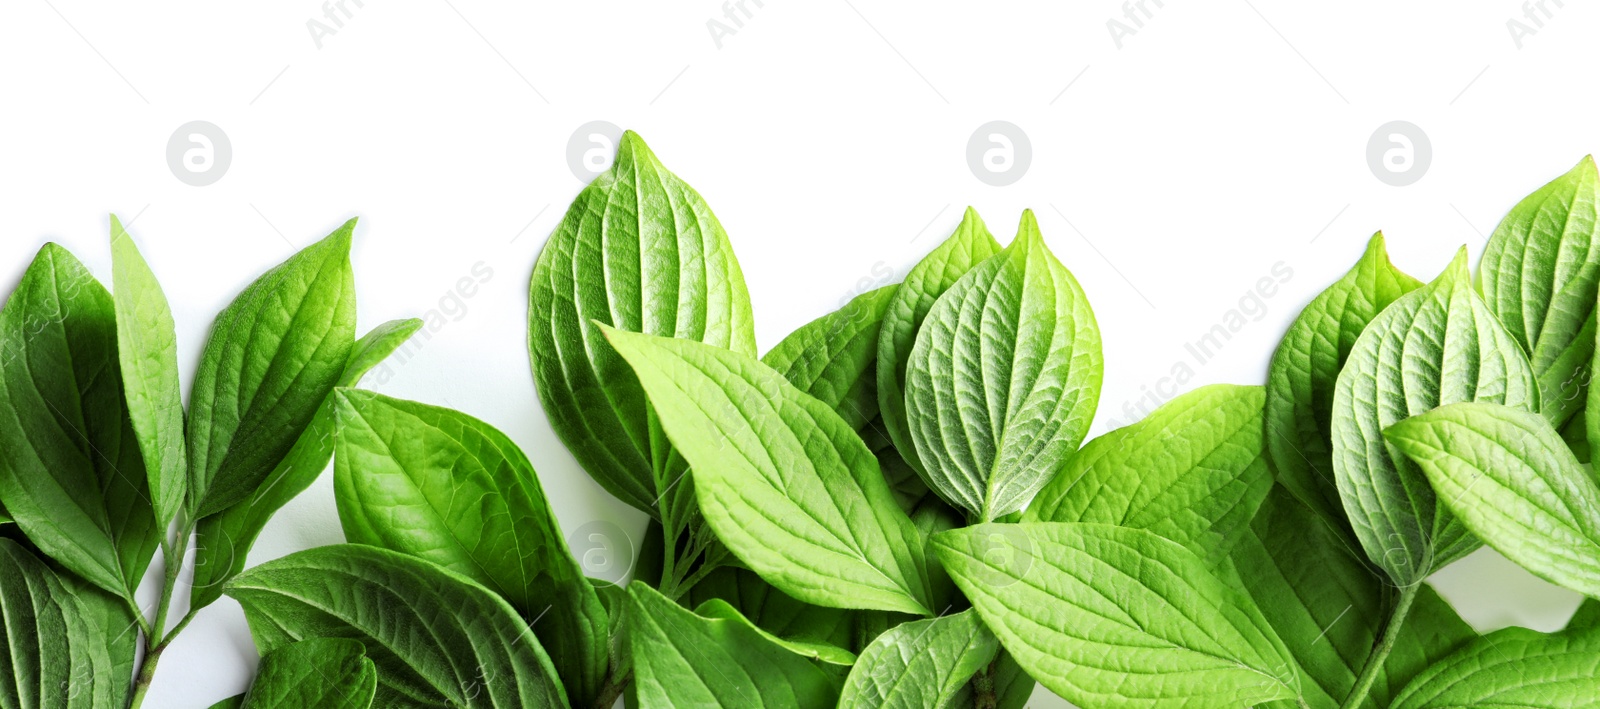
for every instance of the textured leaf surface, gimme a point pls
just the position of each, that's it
(147, 350)
(1300, 384)
(71, 474)
(920, 665)
(1004, 378)
(970, 245)
(1192, 471)
(1539, 274)
(435, 636)
(326, 673)
(1514, 667)
(681, 659)
(1436, 345)
(273, 356)
(639, 250)
(782, 479)
(1109, 616)
(829, 653)
(55, 657)
(834, 357)
(1510, 478)
(1328, 605)
(772, 610)
(443, 486)
(223, 540)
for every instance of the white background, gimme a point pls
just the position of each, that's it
(830, 138)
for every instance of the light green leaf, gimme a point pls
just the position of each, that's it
(55, 657)
(639, 250)
(223, 540)
(970, 245)
(147, 348)
(443, 486)
(273, 356)
(1436, 345)
(71, 474)
(1192, 471)
(681, 659)
(920, 665)
(1300, 384)
(834, 357)
(1539, 274)
(1112, 617)
(1511, 479)
(1513, 668)
(782, 479)
(1328, 605)
(772, 610)
(327, 673)
(436, 636)
(1004, 378)
(828, 653)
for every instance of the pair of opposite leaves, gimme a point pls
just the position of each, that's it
(1378, 347)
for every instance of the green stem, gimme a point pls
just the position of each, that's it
(1380, 654)
(613, 689)
(147, 672)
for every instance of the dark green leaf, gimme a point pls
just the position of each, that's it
(436, 636)
(55, 656)
(273, 356)
(1004, 378)
(772, 610)
(326, 673)
(71, 474)
(969, 246)
(223, 540)
(1300, 384)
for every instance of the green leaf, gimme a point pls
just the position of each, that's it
(327, 673)
(1328, 605)
(234, 702)
(1587, 617)
(828, 653)
(223, 540)
(147, 348)
(681, 659)
(1512, 668)
(921, 665)
(55, 658)
(273, 356)
(969, 246)
(443, 486)
(834, 357)
(1004, 378)
(1510, 479)
(772, 610)
(639, 250)
(436, 636)
(1192, 471)
(1109, 616)
(1300, 384)
(71, 474)
(782, 479)
(1539, 275)
(1436, 345)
